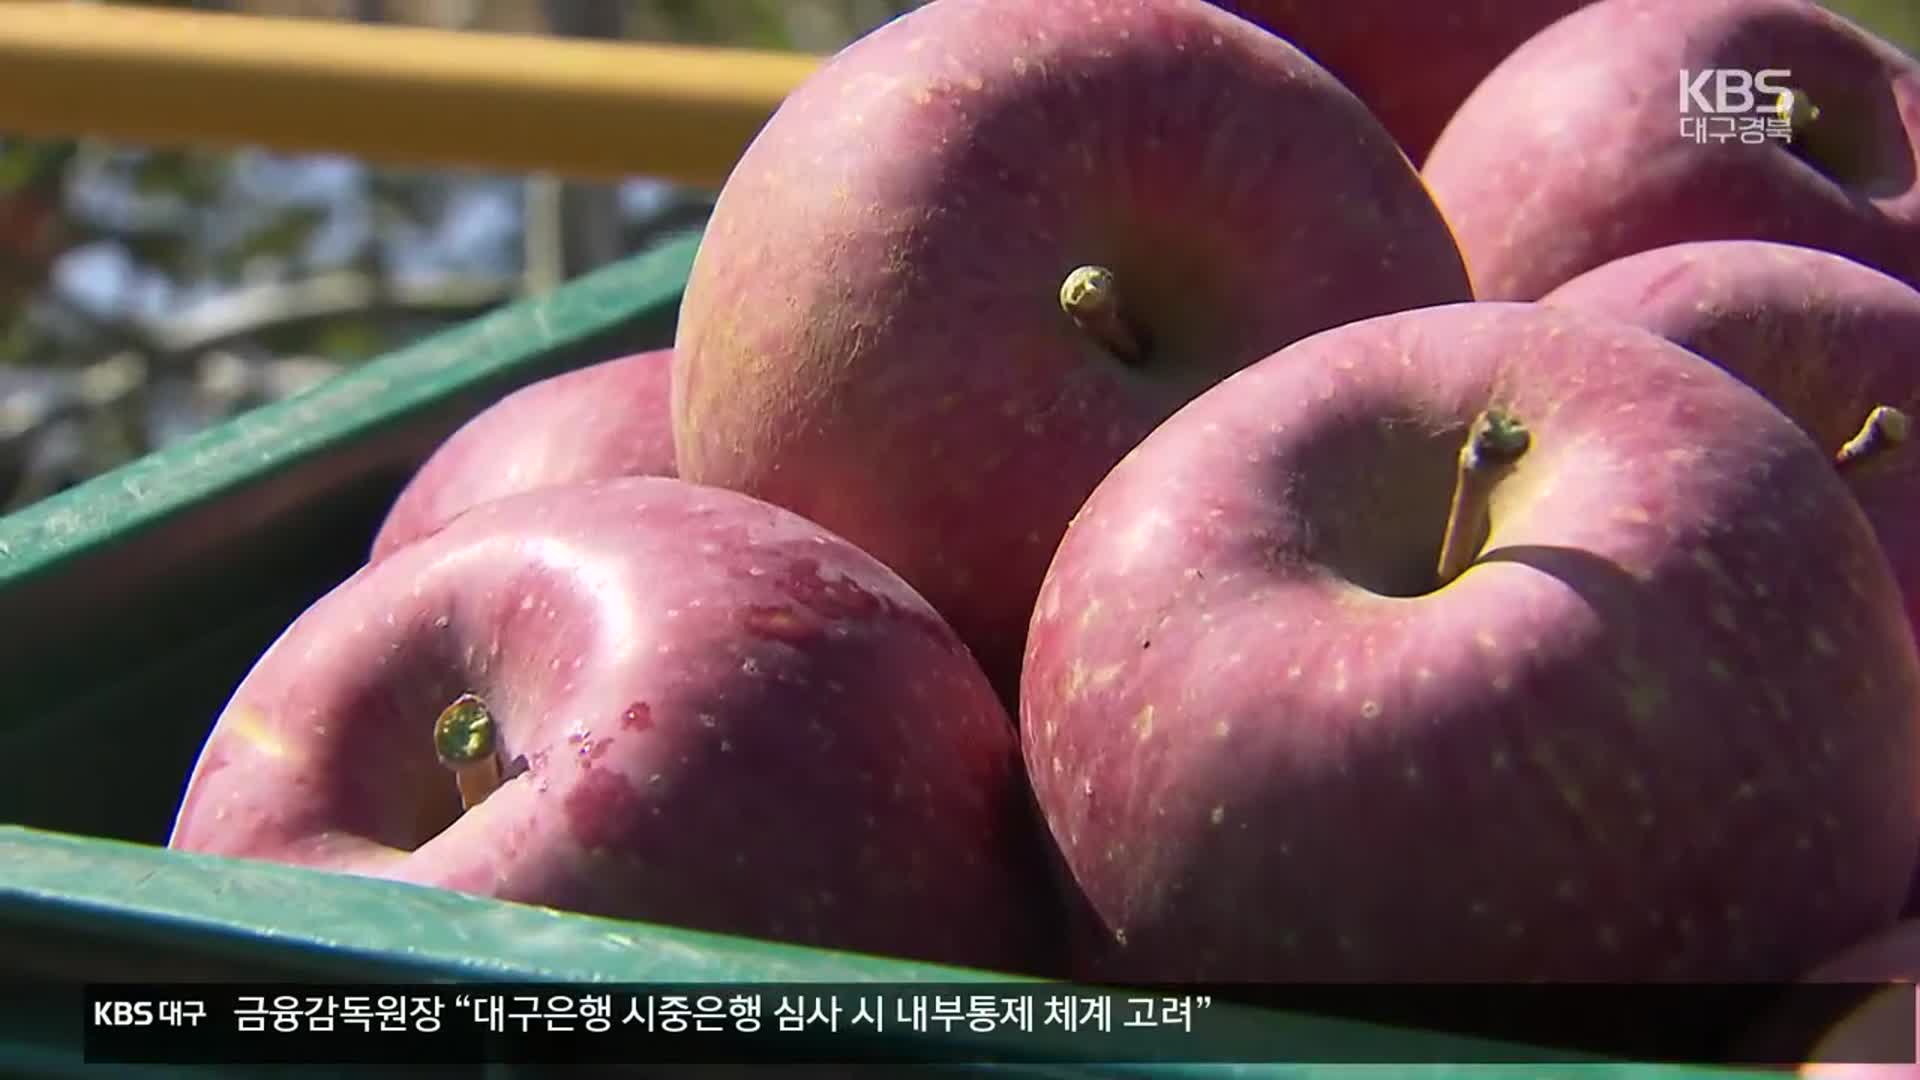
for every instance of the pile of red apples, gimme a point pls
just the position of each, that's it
(1155, 491)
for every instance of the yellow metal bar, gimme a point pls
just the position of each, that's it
(404, 95)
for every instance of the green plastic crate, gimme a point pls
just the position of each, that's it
(131, 606)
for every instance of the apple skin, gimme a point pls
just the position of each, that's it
(1822, 337)
(730, 720)
(1569, 154)
(872, 334)
(1678, 676)
(594, 423)
(1413, 64)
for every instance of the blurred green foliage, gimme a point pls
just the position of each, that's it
(1896, 20)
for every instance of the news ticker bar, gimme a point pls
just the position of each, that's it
(1011, 1023)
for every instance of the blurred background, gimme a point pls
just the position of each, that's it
(146, 293)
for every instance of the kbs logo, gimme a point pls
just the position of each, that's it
(1733, 91)
(1724, 104)
(123, 1013)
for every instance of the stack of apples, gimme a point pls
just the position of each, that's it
(1151, 490)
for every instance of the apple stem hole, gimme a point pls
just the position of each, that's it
(1091, 298)
(467, 743)
(1495, 443)
(1886, 427)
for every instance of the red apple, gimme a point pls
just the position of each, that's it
(1824, 338)
(990, 245)
(705, 711)
(594, 423)
(1412, 63)
(1276, 738)
(1571, 154)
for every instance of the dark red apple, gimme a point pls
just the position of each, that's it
(1824, 338)
(1412, 63)
(685, 706)
(1294, 710)
(594, 423)
(1571, 154)
(990, 245)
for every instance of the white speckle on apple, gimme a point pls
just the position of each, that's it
(526, 602)
(1370, 709)
(1724, 618)
(1566, 889)
(1410, 772)
(1503, 682)
(1219, 814)
(1086, 616)
(1486, 640)
(1609, 937)
(1516, 929)
(708, 720)
(1499, 761)
(1821, 643)
(750, 667)
(1477, 908)
(1056, 765)
(1221, 729)
(1424, 674)
(1293, 672)
(442, 622)
(1645, 819)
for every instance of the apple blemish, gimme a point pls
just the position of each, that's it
(1886, 427)
(467, 742)
(1495, 444)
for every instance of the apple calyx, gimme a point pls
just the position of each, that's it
(1886, 428)
(1091, 298)
(1495, 444)
(467, 742)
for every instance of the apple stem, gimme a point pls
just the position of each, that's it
(1886, 428)
(466, 741)
(1798, 110)
(1495, 444)
(1091, 298)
